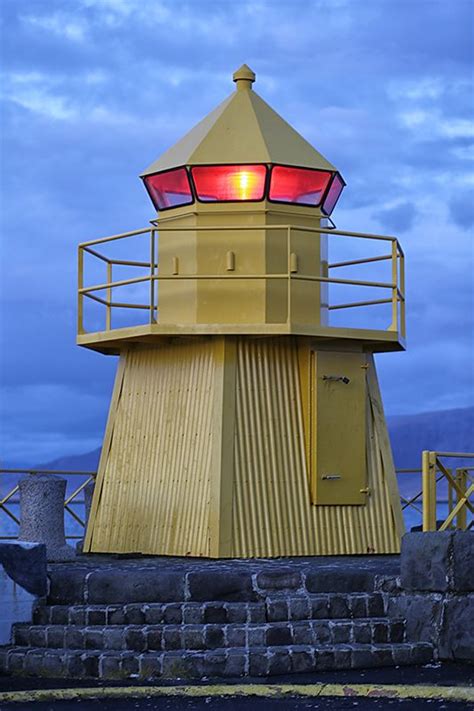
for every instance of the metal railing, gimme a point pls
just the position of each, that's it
(396, 286)
(456, 500)
(426, 502)
(9, 504)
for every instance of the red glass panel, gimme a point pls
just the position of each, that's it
(169, 189)
(298, 185)
(229, 182)
(333, 194)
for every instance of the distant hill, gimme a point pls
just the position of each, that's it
(446, 430)
(81, 462)
(443, 431)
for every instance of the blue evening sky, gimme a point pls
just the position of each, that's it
(94, 90)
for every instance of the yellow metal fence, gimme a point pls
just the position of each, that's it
(457, 499)
(9, 501)
(395, 287)
(439, 510)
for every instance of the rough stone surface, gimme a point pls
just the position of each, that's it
(26, 565)
(338, 580)
(425, 561)
(42, 514)
(221, 586)
(147, 585)
(438, 561)
(457, 632)
(463, 561)
(422, 612)
(280, 579)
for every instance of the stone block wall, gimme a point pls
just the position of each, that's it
(436, 591)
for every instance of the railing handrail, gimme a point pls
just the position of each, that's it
(214, 228)
(33, 471)
(396, 285)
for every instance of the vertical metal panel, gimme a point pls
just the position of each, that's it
(273, 515)
(155, 493)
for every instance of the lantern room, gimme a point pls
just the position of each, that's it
(244, 183)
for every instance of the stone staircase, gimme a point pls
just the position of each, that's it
(232, 625)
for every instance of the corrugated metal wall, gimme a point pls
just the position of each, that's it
(155, 489)
(272, 513)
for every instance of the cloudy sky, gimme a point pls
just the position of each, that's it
(94, 90)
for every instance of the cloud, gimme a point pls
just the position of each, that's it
(398, 218)
(60, 24)
(94, 90)
(461, 209)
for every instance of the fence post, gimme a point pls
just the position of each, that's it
(108, 308)
(461, 480)
(42, 514)
(394, 324)
(428, 467)
(80, 296)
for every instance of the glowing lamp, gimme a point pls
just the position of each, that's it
(222, 183)
(169, 189)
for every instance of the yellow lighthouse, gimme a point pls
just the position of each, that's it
(244, 422)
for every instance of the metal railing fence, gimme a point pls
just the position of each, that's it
(425, 502)
(396, 286)
(456, 500)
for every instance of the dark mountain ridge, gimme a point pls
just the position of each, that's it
(444, 430)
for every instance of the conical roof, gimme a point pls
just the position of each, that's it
(242, 129)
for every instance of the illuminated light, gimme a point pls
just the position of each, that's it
(223, 183)
(334, 192)
(301, 186)
(169, 189)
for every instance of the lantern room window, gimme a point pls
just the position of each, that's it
(224, 183)
(169, 189)
(300, 186)
(333, 194)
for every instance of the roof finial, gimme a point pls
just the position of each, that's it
(244, 78)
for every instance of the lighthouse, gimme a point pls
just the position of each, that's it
(243, 422)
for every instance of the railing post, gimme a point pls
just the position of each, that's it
(108, 312)
(80, 296)
(428, 467)
(403, 327)
(288, 247)
(394, 324)
(461, 480)
(152, 277)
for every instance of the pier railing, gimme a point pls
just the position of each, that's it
(144, 272)
(9, 498)
(436, 507)
(445, 499)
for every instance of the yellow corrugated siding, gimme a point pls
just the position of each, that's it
(272, 514)
(155, 490)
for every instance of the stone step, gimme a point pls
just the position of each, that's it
(276, 608)
(121, 581)
(142, 638)
(233, 662)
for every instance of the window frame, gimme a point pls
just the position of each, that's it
(266, 183)
(300, 167)
(326, 193)
(171, 170)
